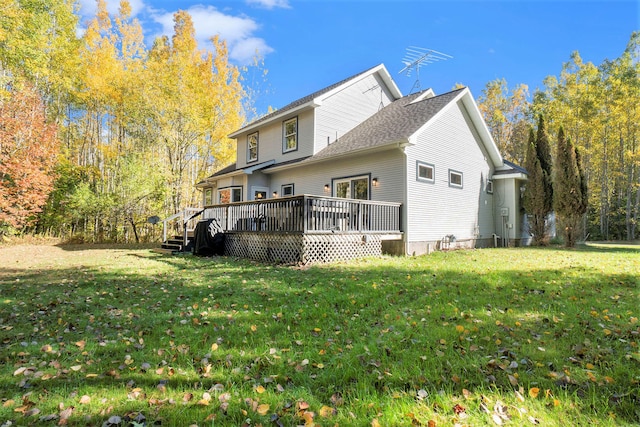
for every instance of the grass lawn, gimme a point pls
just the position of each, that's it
(97, 335)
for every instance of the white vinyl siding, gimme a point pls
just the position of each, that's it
(438, 210)
(270, 141)
(346, 109)
(387, 166)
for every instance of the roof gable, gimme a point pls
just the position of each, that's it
(394, 124)
(315, 99)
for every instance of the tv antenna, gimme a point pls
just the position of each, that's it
(416, 57)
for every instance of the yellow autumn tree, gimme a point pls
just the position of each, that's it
(195, 101)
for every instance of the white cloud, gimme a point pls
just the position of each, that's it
(88, 7)
(270, 4)
(236, 30)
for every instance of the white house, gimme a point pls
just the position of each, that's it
(430, 154)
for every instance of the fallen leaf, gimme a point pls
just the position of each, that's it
(263, 409)
(326, 411)
(32, 412)
(85, 399)
(375, 423)
(458, 409)
(533, 392)
(259, 389)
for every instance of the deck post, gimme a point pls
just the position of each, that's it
(305, 214)
(164, 230)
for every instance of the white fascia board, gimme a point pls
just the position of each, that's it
(259, 166)
(429, 93)
(211, 179)
(515, 175)
(277, 117)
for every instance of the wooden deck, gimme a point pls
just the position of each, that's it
(305, 228)
(308, 214)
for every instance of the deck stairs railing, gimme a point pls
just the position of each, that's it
(177, 230)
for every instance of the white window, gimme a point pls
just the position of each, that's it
(455, 179)
(425, 172)
(287, 190)
(290, 135)
(356, 187)
(252, 147)
(489, 186)
(229, 195)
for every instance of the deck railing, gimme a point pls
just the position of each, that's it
(308, 214)
(182, 222)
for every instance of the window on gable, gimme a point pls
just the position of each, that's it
(290, 135)
(425, 172)
(455, 179)
(287, 190)
(229, 195)
(252, 147)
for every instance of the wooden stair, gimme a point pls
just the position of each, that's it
(175, 244)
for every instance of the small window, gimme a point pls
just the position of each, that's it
(229, 195)
(252, 147)
(290, 135)
(455, 179)
(489, 186)
(287, 190)
(425, 172)
(208, 193)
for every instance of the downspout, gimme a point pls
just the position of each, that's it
(404, 224)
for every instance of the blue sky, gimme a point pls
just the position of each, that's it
(310, 44)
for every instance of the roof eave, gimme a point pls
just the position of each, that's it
(389, 146)
(515, 175)
(290, 112)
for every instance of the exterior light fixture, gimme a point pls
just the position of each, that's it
(327, 188)
(275, 194)
(375, 182)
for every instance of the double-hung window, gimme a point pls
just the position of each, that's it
(252, 147)
(208, 196)
(290, 135)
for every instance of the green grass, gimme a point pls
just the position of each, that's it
(470, 337)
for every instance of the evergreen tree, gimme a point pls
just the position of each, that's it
(543, 152)
(538, 197)
(570, 202)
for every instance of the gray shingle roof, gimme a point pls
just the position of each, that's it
(394, 123)
(512, 168)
